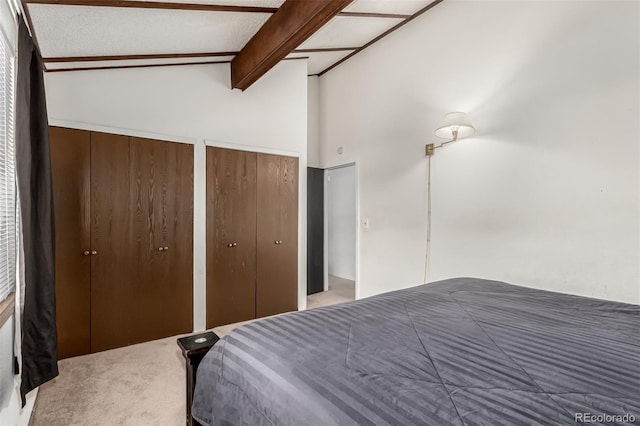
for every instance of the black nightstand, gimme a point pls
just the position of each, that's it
(194, 348)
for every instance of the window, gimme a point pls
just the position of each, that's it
(7, 173)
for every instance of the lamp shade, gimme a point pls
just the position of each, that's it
(455, 121)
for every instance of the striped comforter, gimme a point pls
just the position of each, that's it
(457, 352)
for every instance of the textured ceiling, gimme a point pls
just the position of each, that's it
(65, 31)
(319, 61)
(96, 31)
(408, 7)
(346, 31)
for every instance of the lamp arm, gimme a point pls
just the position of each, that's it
(444, 143)
(430, 148)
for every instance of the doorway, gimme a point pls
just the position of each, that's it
(341, 231)
(332, 231)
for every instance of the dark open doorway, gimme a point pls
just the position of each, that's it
(315, 230)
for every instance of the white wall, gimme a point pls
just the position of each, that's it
(188, 101)
(195, 102)
(341, 220)
(546, 194)
(313, 121)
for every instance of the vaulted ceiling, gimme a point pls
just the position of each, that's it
(251, 34)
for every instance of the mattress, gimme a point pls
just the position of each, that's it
(456, 352)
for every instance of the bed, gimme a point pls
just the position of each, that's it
(456, 352)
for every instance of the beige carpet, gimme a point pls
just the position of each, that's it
(340, 291)
(137, 385)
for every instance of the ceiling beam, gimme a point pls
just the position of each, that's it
(157, 5)
(293, 23)
(152, 56)
(325, 49)
(119, 67)
(374, 15)
(140, 56)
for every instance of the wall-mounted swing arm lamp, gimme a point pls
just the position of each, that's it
(453, 126)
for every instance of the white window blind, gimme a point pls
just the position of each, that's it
(7, 173)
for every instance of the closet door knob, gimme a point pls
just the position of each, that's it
(232, 244)
(86, 253)
(160, 248)
(278, 242)
(166, 248)
(94, 252)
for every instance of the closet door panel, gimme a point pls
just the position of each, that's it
(145, 168)
(277, 235)
(231, 236)
(177, 233)
(162, 230)
(173, 233)
(114, 299)
(70, 162)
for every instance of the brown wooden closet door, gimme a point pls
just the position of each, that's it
(162, 193)
(70, 163)
(277, 232)
(175, 235)
(114, 295)
(231, 236)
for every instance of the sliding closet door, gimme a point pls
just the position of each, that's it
(231, 236)
(277, 235)
(70, 163)
(115, 295)
(163, 192)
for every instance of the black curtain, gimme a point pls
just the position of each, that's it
(39, 337)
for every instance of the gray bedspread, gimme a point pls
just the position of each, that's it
(457, 352)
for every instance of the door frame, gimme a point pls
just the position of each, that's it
(357, 224)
